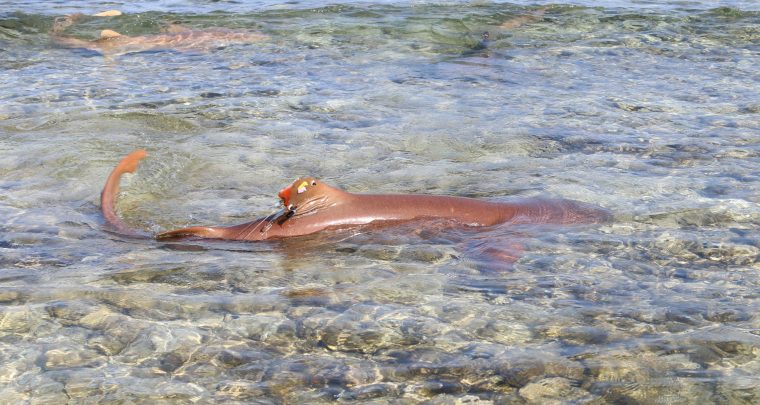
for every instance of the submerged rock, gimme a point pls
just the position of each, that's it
(555, 390)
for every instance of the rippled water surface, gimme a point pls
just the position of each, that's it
(648, 109)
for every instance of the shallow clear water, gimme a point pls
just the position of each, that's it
(648, 109)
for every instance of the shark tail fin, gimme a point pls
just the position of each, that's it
(111, 191)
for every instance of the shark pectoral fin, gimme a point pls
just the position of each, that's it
(198, 231)
(108, 34)
(108, 13)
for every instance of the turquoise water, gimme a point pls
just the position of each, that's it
(648, 109)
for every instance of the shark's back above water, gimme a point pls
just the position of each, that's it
(176, 38)
(112, 43)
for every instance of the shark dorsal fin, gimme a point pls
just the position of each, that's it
(108, 34)
(108, 13)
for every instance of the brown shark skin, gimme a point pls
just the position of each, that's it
(312, 206)
(176, 38)
(111, 190)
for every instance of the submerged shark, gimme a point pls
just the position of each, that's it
(176, 38)
(520, 20)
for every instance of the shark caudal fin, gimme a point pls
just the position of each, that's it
(111, 190)
(61, 23)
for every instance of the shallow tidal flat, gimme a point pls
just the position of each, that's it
(650, 111)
